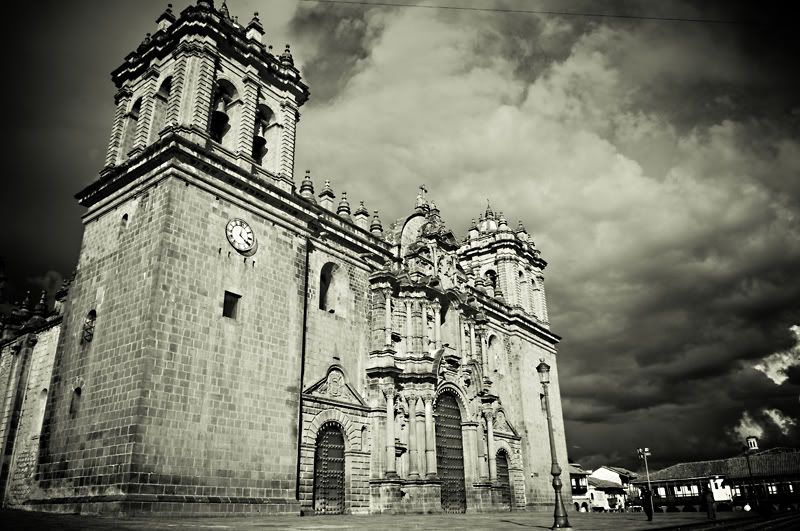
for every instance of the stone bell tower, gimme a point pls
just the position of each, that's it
(212, 81)
(175, 384)
(506, 263)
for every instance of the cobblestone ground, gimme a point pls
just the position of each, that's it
(518, 521)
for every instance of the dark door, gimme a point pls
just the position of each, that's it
(504, 479)
(329, 471)
(450, 454)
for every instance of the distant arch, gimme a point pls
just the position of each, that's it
(224, 113)
(265, 136)
(160, 103)
(333, 289)
(129, 131)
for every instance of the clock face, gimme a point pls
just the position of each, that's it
(241, 236)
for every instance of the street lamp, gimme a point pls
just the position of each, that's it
(643, 453)
(560, 520)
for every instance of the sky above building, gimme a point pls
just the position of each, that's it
(656, 163)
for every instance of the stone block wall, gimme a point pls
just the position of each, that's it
(22, 473)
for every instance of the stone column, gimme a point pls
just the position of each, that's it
(543, 301)
(247, 116)
(122, 100)
(391, 459)
(471, 339)
(418, 318)
(290, 117)
(485, 352)
(489, 414)
(409, 328)
(437, 329)
(421, 456)
(388, 319)
(413, 450)
(146, 111)
(482, 457)
(430, 437)
(460, 343)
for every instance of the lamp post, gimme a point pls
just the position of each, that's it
(560, 520)
(643, 453)
(752, 446)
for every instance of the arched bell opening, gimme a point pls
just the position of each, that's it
(264, 127)
(160, 102)
(329, 470)
(220, 121)
(450, 453)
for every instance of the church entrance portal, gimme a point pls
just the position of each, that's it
(450, 454)
(504, 479)
(329, 470)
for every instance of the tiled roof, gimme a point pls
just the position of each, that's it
(622, 471)
(602, 484)
(576, 470)
(765, 464)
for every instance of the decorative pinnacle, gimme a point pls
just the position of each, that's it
(521, 227)
(344, 206)
(473, 225)
(307, 187)
(286, 56)
(376, 227)
(362, 210)
(224, 10)
(41, 308)
(327, 191)
(168, 17)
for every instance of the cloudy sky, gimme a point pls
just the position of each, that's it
(656, 163)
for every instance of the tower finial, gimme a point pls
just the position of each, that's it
(343, 209)
(286, 56)
(376, 227)
(307, 187)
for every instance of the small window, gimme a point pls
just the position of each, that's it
(772, 488)
(230, 305)
(75, 404)
(88, 327)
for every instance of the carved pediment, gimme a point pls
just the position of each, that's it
(501, 424)
(334, 386)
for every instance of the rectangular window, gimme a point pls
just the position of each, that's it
(230, 305)
(662, 491)
(772, 489)
(737, 491)
(695, 490)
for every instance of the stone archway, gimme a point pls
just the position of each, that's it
(329, 470)
(504, 478)
(450, 453)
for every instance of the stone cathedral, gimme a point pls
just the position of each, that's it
(233, 342)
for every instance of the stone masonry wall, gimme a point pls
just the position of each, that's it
(26, 448)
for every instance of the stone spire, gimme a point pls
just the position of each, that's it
(362, 216)
(473, 230)
(255, 31)
(286, 57)
(376, 227)
(223, 9)
(41, 307)
(307, 187)
(166, 18)
(421, 204)
(522, 234)
(343, 209)
(502, 223)
(326, 196)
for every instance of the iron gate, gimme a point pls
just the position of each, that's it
(504, 479)
(329, 470)
(450, 454)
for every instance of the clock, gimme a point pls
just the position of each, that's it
(241, 236)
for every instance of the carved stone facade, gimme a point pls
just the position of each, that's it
(232, 342)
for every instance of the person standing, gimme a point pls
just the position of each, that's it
(647, 499)
(711, 505)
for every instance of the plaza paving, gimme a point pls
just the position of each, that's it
(18, 520)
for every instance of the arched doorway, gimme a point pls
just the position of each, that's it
(329, 470)
(503, 478)
(450, 453)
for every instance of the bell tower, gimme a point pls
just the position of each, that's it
(175, 386)
(212, 81)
